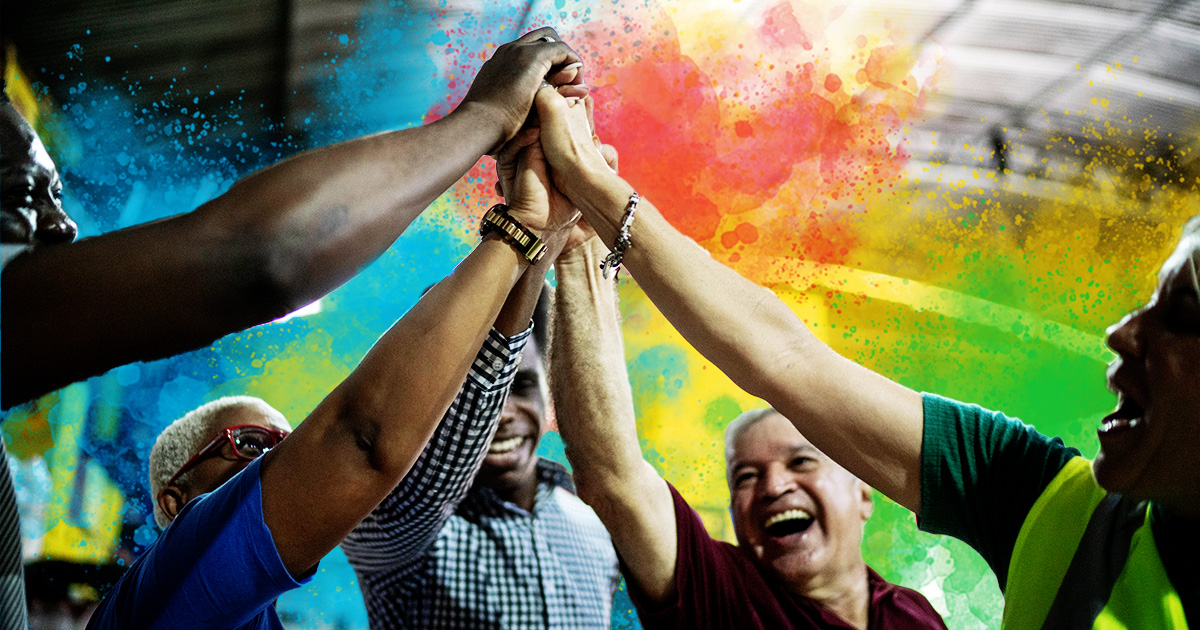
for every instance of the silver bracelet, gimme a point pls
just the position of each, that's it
(623, 242)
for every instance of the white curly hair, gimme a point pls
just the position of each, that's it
(182, 439)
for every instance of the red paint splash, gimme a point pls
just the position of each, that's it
(758, 126)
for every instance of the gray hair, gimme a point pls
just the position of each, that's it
(180, 441)
(1192, 227)
(744, 421)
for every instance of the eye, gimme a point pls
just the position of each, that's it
(802, 462)
(744, 478)
(525, 383)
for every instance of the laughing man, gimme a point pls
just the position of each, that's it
(797, 514)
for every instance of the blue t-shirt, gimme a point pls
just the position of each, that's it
(215, 567)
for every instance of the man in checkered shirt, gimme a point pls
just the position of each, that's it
(483, 533)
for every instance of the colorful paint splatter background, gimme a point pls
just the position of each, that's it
(774, 133)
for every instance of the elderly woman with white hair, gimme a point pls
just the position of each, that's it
(234, 429)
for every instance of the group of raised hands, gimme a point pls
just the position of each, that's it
(556, 147)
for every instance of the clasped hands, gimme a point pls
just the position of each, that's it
(536, 168)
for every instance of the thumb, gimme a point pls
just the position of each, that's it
(551, 106)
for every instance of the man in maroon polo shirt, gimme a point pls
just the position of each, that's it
(798, 515)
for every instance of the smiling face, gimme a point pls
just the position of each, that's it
(30, 189)
(798, 513)
(510, 464)
(1149, 445)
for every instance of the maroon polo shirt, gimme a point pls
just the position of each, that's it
(718, 586)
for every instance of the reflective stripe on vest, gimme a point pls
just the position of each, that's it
(1086, 559)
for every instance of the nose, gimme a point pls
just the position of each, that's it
(54, 226)
(1124, 336)
(777, 481)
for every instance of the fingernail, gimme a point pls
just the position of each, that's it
(577, 64)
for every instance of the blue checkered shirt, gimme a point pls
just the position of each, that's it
(442, 553)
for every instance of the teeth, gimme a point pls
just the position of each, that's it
(787, 516)
(1118, 422)
(504, 446)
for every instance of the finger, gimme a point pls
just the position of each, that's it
(610, 155)
(574, 90)
(528, 136)
(508, 151)
(590, 104)
(566, 75)
(550, 104)
(498, 189)
(539, 33)
(524, 138)
(554, 54)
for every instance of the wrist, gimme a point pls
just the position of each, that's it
(498, 223)
(586, 177)
(603, 199)
(489, 121)
(591, 251)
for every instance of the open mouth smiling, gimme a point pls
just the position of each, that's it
(500, 447)
(793, 521)
(1128, 415)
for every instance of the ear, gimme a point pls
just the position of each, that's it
(551, 421)
(867, 505)
(171, 500)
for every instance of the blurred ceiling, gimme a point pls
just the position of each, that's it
(1042, 79)
(1019, 75)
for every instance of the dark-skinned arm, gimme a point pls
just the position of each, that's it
(870, 425)
(398, 532)
(278, 239)
(364, 437)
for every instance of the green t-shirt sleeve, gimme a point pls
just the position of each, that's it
(981, 472)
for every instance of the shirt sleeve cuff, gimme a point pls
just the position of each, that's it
(497, 361)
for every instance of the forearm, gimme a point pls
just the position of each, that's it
(323, 214)
(278, 239)
(869, 424)
(517, 314)
(742, 327)
(363, 438)
(594, 406)
(592, 397)
(415, 369)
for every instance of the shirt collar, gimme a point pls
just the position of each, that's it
(550, 475)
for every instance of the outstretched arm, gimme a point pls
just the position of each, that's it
(867, 423)
(364, 437)
(275, 241)
(594, 407)
(402, 527)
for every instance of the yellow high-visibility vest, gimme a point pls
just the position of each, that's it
(1086, 559)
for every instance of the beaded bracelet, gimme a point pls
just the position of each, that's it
(623, 242)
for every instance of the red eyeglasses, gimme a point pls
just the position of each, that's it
(249, 442)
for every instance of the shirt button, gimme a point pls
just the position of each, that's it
(497, 365)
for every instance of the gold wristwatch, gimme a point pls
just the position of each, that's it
(520, 237)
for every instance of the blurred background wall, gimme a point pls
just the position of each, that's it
(960, 194)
